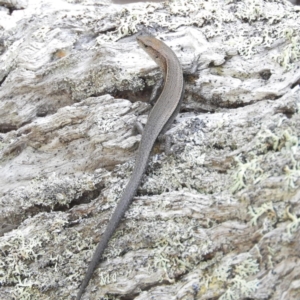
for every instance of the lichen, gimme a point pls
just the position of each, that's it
(290, 53)
(248, 172)
(293, 226)
(211, 18)
(47, 255)
(52, 191)
(19, 251)
(236, 276)
(259, 211)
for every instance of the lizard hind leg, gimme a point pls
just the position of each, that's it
(164, 139)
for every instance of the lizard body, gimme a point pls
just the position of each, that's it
(160, 118)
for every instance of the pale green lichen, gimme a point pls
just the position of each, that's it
(26, 255)
(290, 53)
(292, 176)
(240, 288)
(257, 212)
(283, 140)
(294, 225)
(258, 11)
(245, 172)
(271, 255)
(235, 278)
(289, 141)
(251, 172)
(265, 139)
(280, 144)
(176, 252)
(250, 10)
(247, 268)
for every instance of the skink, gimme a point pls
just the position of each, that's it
(160, 118)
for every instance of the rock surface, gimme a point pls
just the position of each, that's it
(217, 219)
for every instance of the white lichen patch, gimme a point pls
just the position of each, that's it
(32, 253)
(237, 273)
(271, 162)
(214, 18)
(269, 146)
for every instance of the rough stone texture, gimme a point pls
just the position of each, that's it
(218, 219)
